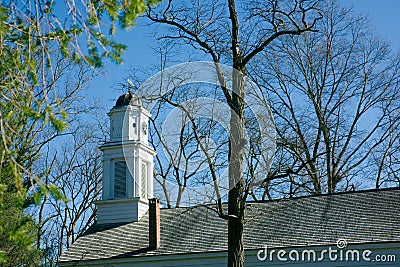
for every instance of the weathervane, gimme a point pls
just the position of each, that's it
(130, 84)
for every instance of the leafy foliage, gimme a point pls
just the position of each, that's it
(16, 228)
(33, 34)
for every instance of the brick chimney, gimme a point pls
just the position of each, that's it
(154, 223)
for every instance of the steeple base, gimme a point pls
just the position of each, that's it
(121, 210)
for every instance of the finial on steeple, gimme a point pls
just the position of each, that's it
(130, 84)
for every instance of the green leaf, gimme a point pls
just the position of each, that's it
(56, 192)
(37, 196)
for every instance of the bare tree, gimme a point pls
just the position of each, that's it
(334, 98)
(73, 164)
(182, 167)
(385, 159)
(181, 170)
(226, 33)
(25, 130)
(35, 142)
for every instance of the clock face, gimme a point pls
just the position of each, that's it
(144, 128)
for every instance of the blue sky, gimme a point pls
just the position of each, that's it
(384, 16)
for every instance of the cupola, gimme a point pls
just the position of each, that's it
(127, 163)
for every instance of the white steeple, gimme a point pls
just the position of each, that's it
(127, 164)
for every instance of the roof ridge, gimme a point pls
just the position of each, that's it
(331, 194)
(295, 198)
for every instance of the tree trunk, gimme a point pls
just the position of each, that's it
(236, 203)
(235, 242)
(236, 226)
(236, 212)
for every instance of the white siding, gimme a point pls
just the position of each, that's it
(117, 211)
(142, 209)
(219, 259)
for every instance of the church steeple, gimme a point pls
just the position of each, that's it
(127, 163)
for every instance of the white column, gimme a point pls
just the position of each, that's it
(136, 178)
(150, 179)
(130, 181)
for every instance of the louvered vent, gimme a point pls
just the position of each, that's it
(120, 179)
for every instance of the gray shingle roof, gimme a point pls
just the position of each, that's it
(359, 217)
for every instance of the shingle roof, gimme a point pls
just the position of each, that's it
(359, 217)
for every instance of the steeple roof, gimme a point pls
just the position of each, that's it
(128, 99)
